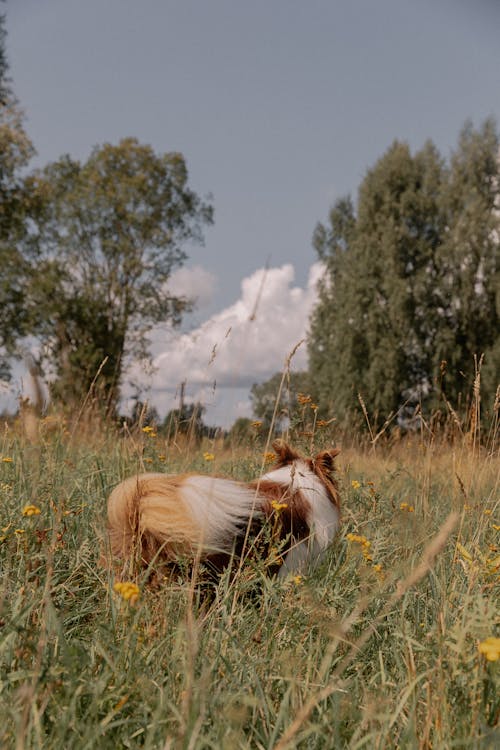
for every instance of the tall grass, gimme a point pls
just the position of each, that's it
(376, 648)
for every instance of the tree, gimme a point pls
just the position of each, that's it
(369, 329)
(186, 420)
(411, 279)
(104, 239)
(15, 152)
(469, 261)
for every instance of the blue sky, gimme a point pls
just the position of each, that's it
(279, 108)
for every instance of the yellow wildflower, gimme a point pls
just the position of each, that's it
(269, 458)
(148, 429)
(7, 459)
(488, 512)
(314, 407)
(407, 507)
(297, 579)
(359, 539)
(495, 526)
(490, 648)
(19, 531)
(355, 484)
(127, 590)
(493, 565)
(148, 460)
(278, 506)
(161, 457)
(257, 424)
(208, 456)
(31, 510)
(302, 398)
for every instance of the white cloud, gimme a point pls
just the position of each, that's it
(195, 283)
(247, 341)
(244, 343)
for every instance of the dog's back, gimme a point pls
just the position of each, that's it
(186, 514)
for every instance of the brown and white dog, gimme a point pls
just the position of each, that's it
(177, 516)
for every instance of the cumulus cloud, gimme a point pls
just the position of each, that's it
(195, 283)
(247, 341)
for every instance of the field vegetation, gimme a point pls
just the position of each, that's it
(391, 642)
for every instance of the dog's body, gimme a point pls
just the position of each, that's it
(194, 516)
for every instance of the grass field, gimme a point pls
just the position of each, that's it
(376, 648)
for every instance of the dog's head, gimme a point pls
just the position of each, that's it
(323, 465)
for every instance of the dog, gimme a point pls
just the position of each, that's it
(174, 517)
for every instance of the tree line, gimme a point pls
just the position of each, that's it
(408, 315)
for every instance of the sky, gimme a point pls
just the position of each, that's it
(279, 109)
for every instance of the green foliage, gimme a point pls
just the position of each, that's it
(15, 152)
(412, 278)
(275, 400)
(103, 242)
(186, 420)
(469, 264)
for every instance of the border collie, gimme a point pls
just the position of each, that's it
(174, 517)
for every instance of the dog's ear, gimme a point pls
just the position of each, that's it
(325, 460)
(285, 454)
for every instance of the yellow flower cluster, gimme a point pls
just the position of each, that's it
(31, 510)
(148, 430)
(303, 399)
(127, 590)
(208, 456)
(490, 648)
(306, 400)
(257, 424)
(479, 562)
(355, 484)
(408, 508)
(269, 458)
(277, 506)
(364, 544)
(7, 459)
